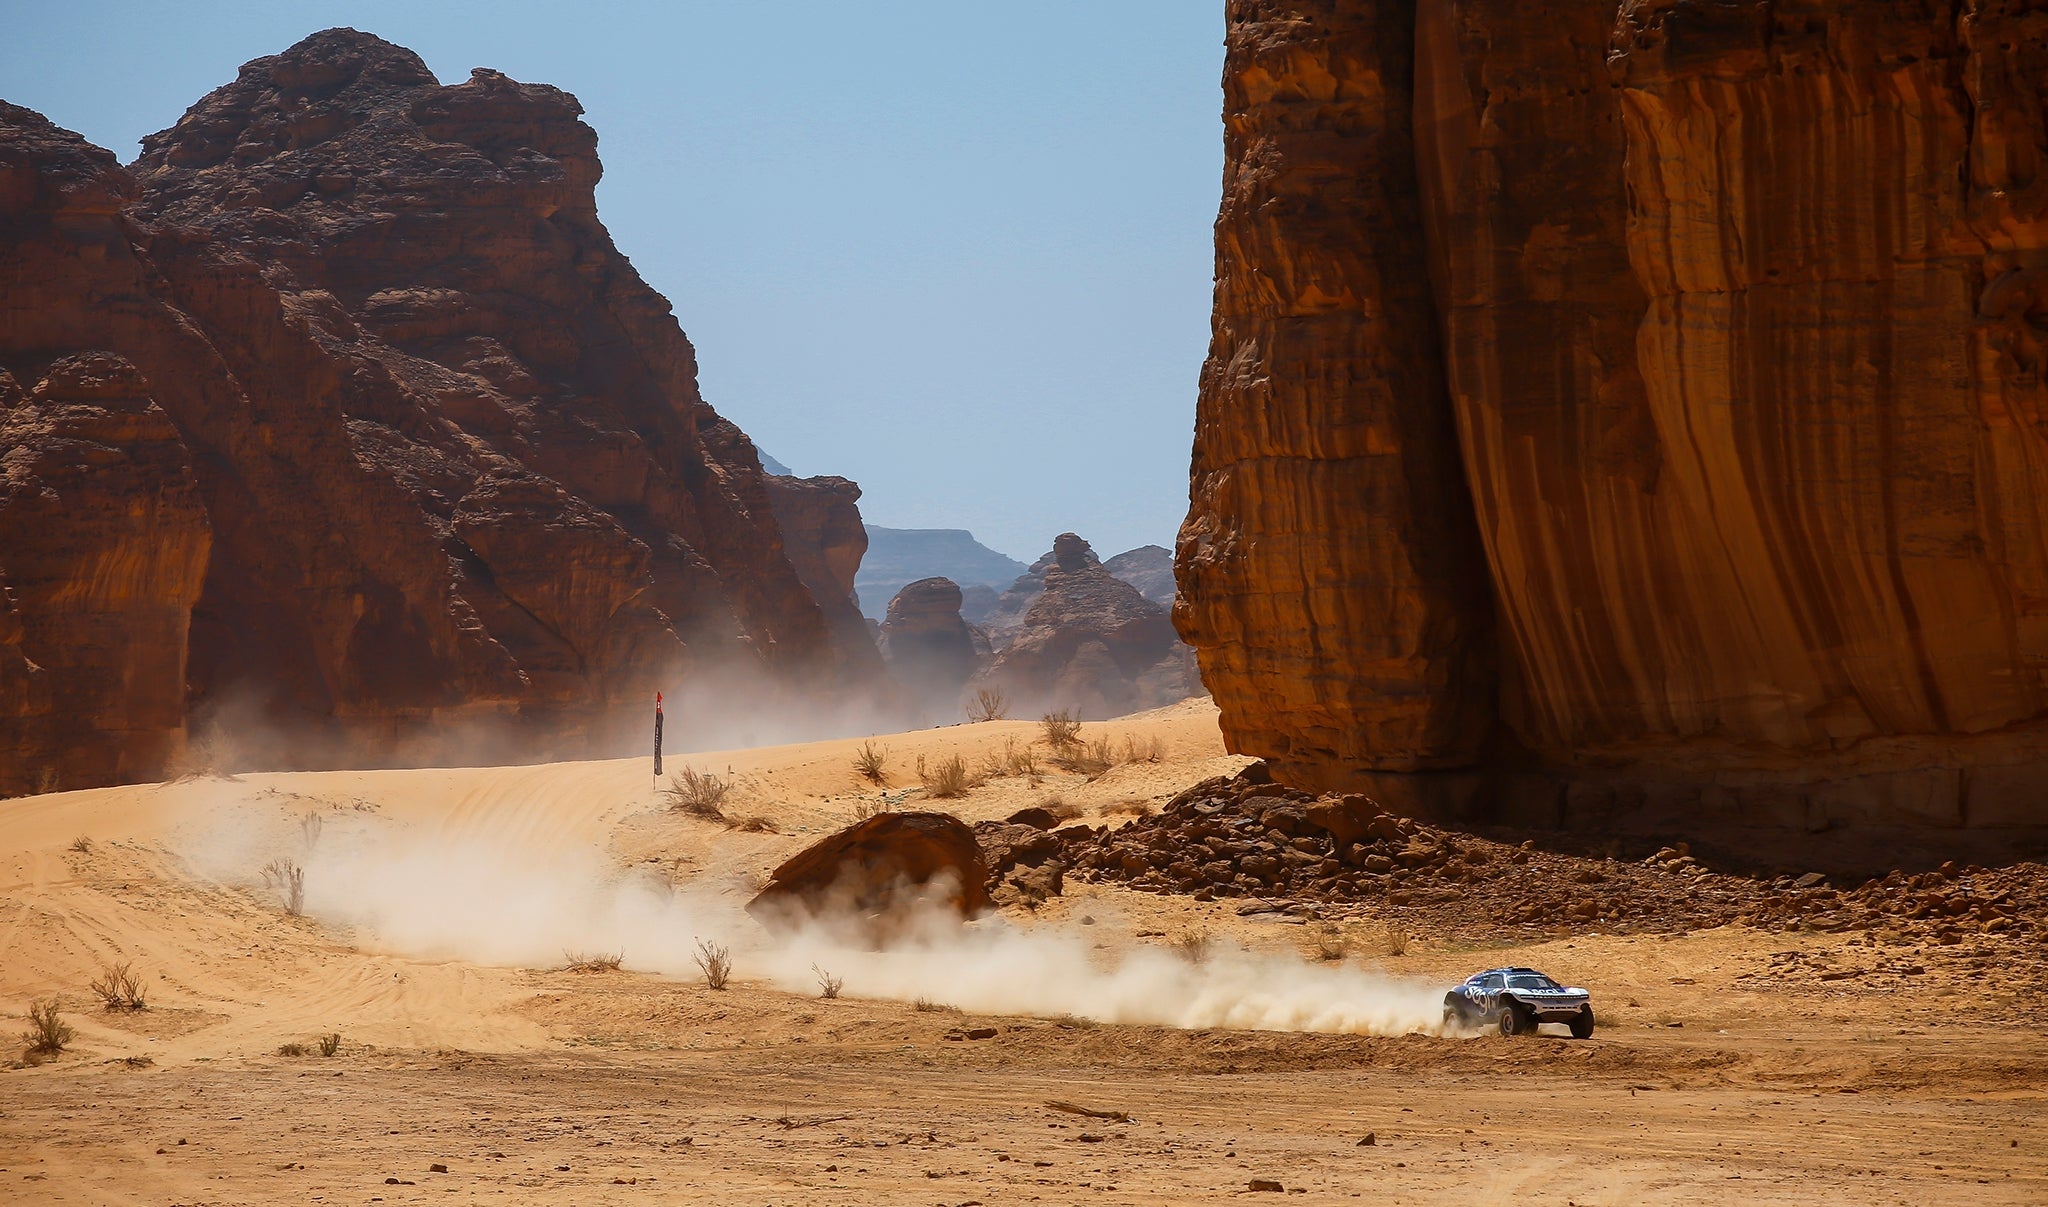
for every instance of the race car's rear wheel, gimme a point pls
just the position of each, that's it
(1582, 1024)
(1514, 1020)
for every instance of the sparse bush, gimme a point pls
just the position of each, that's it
(870, 763)
(118, 988)
(82, 845)
(1130, 806)
(715, 962)
(47, 1033)
(945, 779)
(925, 1005)
(828, 985)
(1020, 760)
(1061, 808)
(1193, 946)
(309, 827)
(1076, 1022)
(603, 961)
(1396, 939)
(330, 1043)
(1330, 943)
(865, 809)
(697, 793)
(1150, 750)
(1061, 729)
(1093, 758)
(288, 879)
(990, 704)
(291, 1049)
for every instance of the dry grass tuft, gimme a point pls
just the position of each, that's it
(863, 810)
(118, 988)
(1396, 939)
(828, 985)
(291, 1049)
(46, 780)
(697, 793)
(288, 879)
(1093, 758)
(1150, 750)
(1193, 946)
(309, 829)
(1061, 808)
(945, 779)
(82, 845)
(990, 704)
(1061, 730)
(755, 825)
(1330, 944)
(47, 1033)
(330, 1043)
(603, 961)
(925, 1005)
(1131, 806)
(871, 763)
(715, 962)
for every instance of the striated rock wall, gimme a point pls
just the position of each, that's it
(453, 460)
(1737, 316)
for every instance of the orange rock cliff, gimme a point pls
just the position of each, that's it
(1629, 416)
(337, 422)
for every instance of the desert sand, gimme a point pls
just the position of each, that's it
(1732, 1065)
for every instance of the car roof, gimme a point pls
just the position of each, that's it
(1504, 971)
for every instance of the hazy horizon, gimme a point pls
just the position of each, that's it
(960, 256)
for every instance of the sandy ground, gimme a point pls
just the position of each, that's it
(1732, 1065)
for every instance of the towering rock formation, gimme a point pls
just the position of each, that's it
(824, 538)
(1716, 328)
(930, 650)
(1091, 643)
(449, 445)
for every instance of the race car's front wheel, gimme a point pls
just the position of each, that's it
(1514, 1021)
(1582, 1024)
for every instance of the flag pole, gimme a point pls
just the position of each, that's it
(657, 739)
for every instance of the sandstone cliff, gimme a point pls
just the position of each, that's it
(449, 445)
(1691, 349)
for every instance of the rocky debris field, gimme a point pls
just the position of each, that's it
(1248, 837)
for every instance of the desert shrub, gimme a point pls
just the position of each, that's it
(1019, 759)
(870, 763)
(1330, 944)
(1149, 750)
(330, 1043)
(603, 961)
(82, 845)
(828, 985)
(697, 793)
(1061, 808)
(1396, 939)
(990, 704)
(715, 962)
(291, 1049)
(944, 779)
(288, 880)
(118, 988)
(47, 1033)
(925, 1005)
(1130, 806)
(863, 810)
(309, 829)
(1061, 730)
(1093, 758)
(1193, 946)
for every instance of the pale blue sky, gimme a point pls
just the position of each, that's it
(958, 252)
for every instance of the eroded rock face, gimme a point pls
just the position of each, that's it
(824, 538)
(456, 469)
(1090, 643)
(929, 649)
(1732, 309)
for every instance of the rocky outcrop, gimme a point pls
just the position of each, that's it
(1006, 618)
(449, 445)
(897, 557)
(1090, 643)
(929, 649)
(871, 877)
(103, 547)
(824, 539)
(1149, 568)
(1734, 313)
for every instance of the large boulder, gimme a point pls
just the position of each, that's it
(872, 875)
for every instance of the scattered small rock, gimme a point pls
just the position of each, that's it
(1265, 1185)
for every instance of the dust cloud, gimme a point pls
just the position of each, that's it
(467, 893)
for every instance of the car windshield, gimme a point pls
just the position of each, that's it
(1531, 981)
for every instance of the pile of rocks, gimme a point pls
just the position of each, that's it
(1945, 905)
